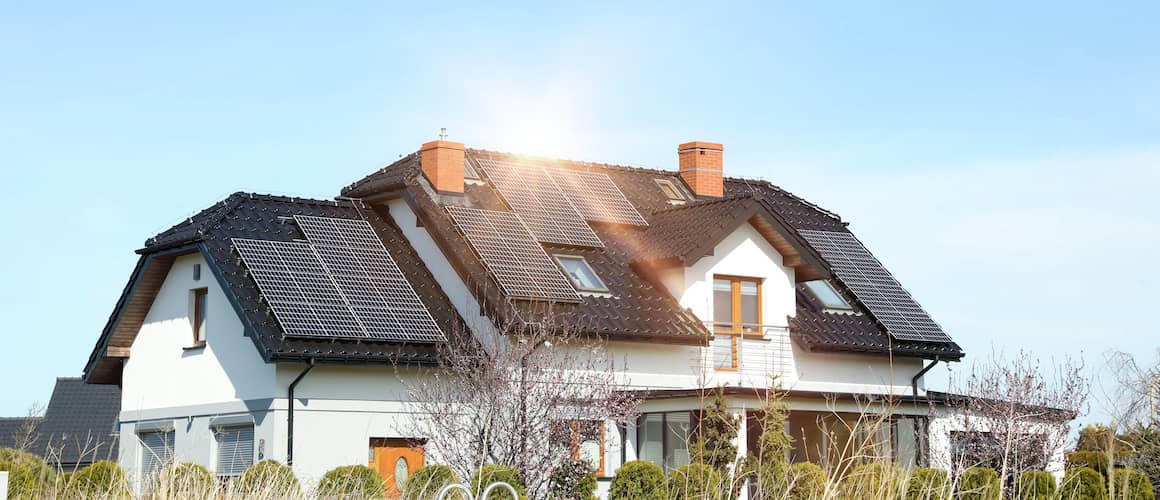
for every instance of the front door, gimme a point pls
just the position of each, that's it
(395, 459)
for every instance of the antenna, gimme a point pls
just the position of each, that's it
(443, 133)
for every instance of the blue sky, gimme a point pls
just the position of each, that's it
(1002, 159)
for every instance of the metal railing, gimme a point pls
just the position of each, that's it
(773, 340)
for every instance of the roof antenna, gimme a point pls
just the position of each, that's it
(443, 133)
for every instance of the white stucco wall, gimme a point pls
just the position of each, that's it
(947, 420)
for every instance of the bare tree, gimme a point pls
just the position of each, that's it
(519, 399)
(1131, 402)
(28, 434)
(1016, 416)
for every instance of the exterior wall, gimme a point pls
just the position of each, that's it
(947, 420)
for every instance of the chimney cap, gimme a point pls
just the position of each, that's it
(714, 146)
(441, 145)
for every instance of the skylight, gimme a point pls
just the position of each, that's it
(469, 171)
(581, 273)
(672, 192)
(827, 296)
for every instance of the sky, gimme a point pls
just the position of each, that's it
(1002, 159)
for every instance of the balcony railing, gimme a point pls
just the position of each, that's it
(752, 349)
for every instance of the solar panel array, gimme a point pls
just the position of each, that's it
(542, 206)
(875, 287)
(342, 284)
(516, 261)
(595, 196)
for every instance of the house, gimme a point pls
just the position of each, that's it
(79, 426)
(283, 328)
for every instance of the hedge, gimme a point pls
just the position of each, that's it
(574, 479)
(1133, 485)
(696, 481)
(874, 479)
(27, 473)
(189, 480)
(1094, 460)
(979, 483)
(809, 481)
(426, 482)
(103, 479)
(1036, 485)
(638, 479)
(351, 481)
(1083, 483)
(928, 484)
(268, 478)
(494, 473)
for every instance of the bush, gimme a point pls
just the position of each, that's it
(351, 481)
(638, 479)
(696, 481)
(101, 479)
(494, 473)
(928, 484)
(426, 482)
(186, 481)
(1036, 485)
(1094, 460)
(1083, 483)
(268, 478)
(874, 480)
(809, 481)
(27, 473)
(1133, 484)
(574, 480)
(979, 483)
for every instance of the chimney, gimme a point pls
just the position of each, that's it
(442, 163)
(701, 164)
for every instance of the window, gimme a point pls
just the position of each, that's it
(736, 312)
(235, 449)
(200, 304)
(581, 274)
(156, 452)
(584, 440)
(469, 171)
(827, 295)
(663, 438)
(672, 192)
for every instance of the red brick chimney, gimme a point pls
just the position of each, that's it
(701, 164)
(442, 163)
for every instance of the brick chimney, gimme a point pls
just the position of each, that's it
(442, 163)
(701, 164)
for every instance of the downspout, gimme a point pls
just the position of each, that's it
(290, 413)
(914, 381)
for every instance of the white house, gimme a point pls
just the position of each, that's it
(273, 327)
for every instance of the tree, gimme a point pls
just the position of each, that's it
(715, 446)
(515, 399)
(1016, 416)
(1132, 403)
(770, 469)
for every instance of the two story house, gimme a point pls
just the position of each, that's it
(284, 328)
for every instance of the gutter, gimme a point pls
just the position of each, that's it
(914, 380)
(290, 413)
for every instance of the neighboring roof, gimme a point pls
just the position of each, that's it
(263, 217)
(14, 429)
(79, 425)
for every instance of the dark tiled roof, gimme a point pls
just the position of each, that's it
(14, 429)
(671, 236)
(80, 423)
(387, 178)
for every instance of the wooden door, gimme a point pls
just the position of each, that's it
(396, 460)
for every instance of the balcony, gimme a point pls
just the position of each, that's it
(748, 354)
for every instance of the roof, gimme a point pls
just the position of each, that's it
(640, 308)
(79, 425)
(258, 216)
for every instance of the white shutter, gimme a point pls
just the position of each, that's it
(235, 449)
(156, 452)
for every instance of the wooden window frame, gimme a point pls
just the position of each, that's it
(198, 316)
(735, 329)
(576, 440)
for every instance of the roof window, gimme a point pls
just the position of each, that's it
(581, 274)
(828, 296)
(469, 171)
(672, 192)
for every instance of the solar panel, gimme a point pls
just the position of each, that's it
(875, 287)
(343, 284)
(542, 206)
(595, 196)
(516, 261)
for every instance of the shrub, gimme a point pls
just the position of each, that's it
(979, 483)
(187, 481)
(696, 481)
(426, 482)
(27, 473)
(268, 478)
(809, 481)
(928, 484)
(1083, 483)
(351, 481)
(874, 480)
(1036, 485)
(101, 479)
(638, 479)
(1094, 460)
(574, 480)
(1133, 484)
(494, 473)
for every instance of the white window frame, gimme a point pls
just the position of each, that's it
(560, 258)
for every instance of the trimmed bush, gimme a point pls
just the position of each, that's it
(696, 481)
(1133, 485)
(1083, 483)
(638, 479)
(1036, 485)
(809, 481)
(494, 473)
(426, 482)
(574, 480)
(875, 480)
(188, 481)
(351, 481)
(268, 478)
(1094, 460)
(27, 473)
(103, 479)
(928, 484)
(979, 483)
